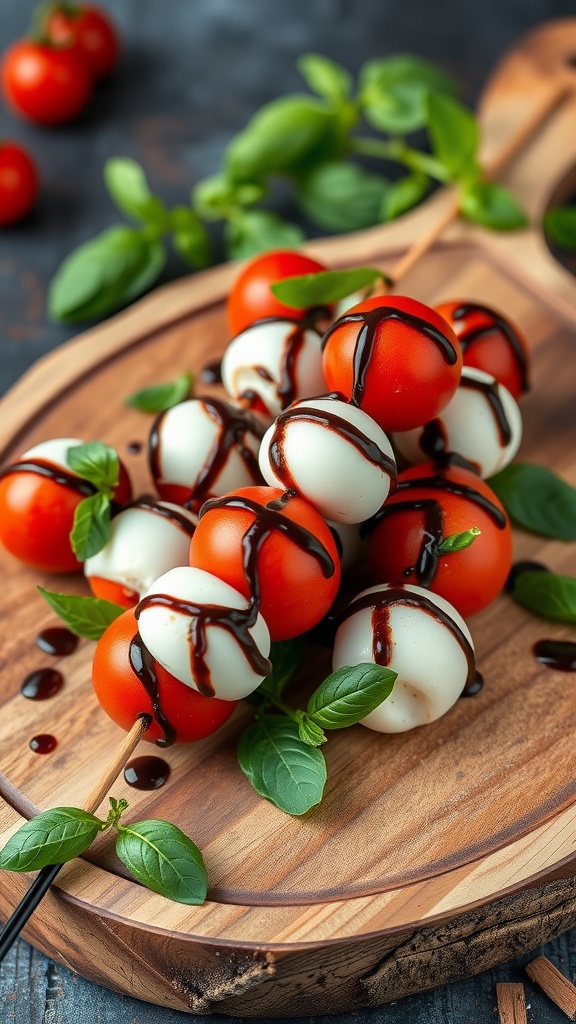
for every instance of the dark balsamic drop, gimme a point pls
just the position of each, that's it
(211, 373)
(556, 654)
(474, 686)
(518, 569)
(147, 772)
(42, 684)
(134, 447)
(43, 744)
(57, 640)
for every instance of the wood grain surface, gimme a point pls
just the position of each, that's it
(469, 822)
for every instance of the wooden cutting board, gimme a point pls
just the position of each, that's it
(435, 853)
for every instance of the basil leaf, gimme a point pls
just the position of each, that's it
(161, 396)
(536, 499)
(324, 287)
(163, 859)
(52, 837)
(282, 137)
(255, 231)
(402, 195)
(487, 203)
(310, 733)
(349, 694)
(127, 185)
(547, 594)
(88, 617)
(325, 77)
(282, 769)
(560, 226)
(454, 134)
(341, 196)
(285, 656)
(394, 92)
(91, 527)
(104, 274)
(459, 541)
(214, 198)
(95, 462)
(190, 238)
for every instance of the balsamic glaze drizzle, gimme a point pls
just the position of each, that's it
(471, 334)
(172, 514)
(143, 665)
(53, 472)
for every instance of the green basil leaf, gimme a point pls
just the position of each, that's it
(349, 694)
(547, 594)
(325, 77)
(309, 732)
(341, 196)
(161, 396)
(163, 859)
(402, 195)
(282, 137)
(190, 238)
(538, 500)
(560, 226)
(458, 541)
(95, 462)
(255, 231)
(454, 134)
(324, 287)
(394, 92)
(104, 274)
(282, 769)
(88, 617)
(487, 203)
(285, 656)
(214, 198)
(52, 837)
(127, 185)
(91, 528)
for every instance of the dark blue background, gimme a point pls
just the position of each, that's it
(193, 71)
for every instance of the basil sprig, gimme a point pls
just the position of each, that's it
(311, 140)
(458, 541)
(155, 852)
(537, 499)
(324, 287)
(87, 617)
(547, 594)
(160, 397)
(560, 227)
(99, 465)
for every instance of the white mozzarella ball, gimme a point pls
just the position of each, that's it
(333, 455)
(430, 646)
(206, 446)
(482, 423)
(278, 360)
(348, 543)
(146, 540)
(167, 629)
(54, 451)
(344, 305)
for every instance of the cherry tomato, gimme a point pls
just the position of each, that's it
(251, 298)
(412, 361)
(123, 696)
(18, 183)
(88, 31)
(296, 585)
(45, 84)
(109, 590)
(37, 515)
(490, 342)
(427, 507)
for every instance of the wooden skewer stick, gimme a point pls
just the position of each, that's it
(492, 168)
(561, 991)
(511, 1003)
(46, 876)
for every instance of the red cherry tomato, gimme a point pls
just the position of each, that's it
(414, 362)
(18, 183)
(251, 298)
(45, 84)
(490, 342)
(123, 696)
(108, 590)
(37, 515)
(89, 32)
(426, 507)
(296, 586)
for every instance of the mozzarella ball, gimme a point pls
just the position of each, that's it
(54, 451)
(482, 423)
(333, 455)
(276, 360)
(422, 638)
(203, 448)
(146, 540)
(188, 623)
(343, 305)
